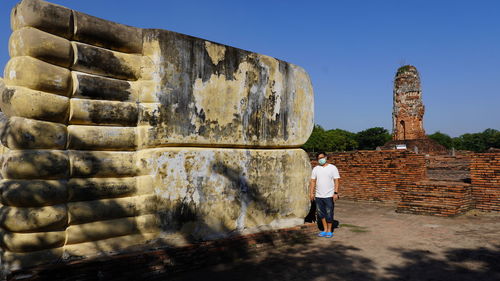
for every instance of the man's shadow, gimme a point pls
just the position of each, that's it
(312, 217)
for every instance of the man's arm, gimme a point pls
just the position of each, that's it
(312, 189)
(337, 188)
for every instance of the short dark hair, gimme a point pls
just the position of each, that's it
(319, 153)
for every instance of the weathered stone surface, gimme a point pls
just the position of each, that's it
(33, 219)
(107, 34)
(41, 45)
(106, 209)
(89, 86)
(110, 245)
(211, 192)
(37, 75)
(211, 94)
(29, 242)
(15, 261)
(95, 60)
(101, 138)
(42, 15)
(111, 228)
(33, 193)
(24, 102)
(23, 133)
(103, 188)
(35, 164)
(86, 164)
(117, 135)
(90, 112)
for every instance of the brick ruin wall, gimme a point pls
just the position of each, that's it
(374, 175)
(402, 177)
(485, 178)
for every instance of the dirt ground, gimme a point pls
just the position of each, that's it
(375, 243)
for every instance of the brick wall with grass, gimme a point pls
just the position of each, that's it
(485, 179)
(374, 175)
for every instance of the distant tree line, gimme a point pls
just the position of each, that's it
(342, 140)
(477, 142)
(369, 139)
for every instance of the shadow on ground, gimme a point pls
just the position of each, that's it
(458, 264)
(340, 262)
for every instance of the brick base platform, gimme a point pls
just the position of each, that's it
(435, 198)
(159, 264)
(485, 175)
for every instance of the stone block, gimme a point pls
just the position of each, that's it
(37, 75)
(85, 164)
(14, 261)
(101, 138)
(209, 192)
(23, 133)
(107, 34)
(211, 94)
(42, 15)
(93, 112)
(109, 246)
(111, 228)
(41, 45)
(47, 218)
(100, 61)
(89, 86)
(33, 193)
(29, 242)
(103, 188)
(24, 102)
(35, 164)
(106, 209)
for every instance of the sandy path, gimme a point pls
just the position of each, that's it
(375, 243)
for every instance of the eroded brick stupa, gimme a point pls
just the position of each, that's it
(408, 111)
(408, 114)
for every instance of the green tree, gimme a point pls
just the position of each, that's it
(371, 138)
(443, 139)
(491, 138)
(341, 140)
(331, 140)
(317, 140)
(478, 142)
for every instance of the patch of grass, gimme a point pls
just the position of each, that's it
(354, 228)
(359, 230)
(348, 225)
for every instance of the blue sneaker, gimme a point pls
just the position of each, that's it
(328, 235)
(322, 234)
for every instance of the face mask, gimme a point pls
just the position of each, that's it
(322, 161)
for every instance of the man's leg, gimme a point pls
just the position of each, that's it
(325, 225)
(321, 211)
(329, 214)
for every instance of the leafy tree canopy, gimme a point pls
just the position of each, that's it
(342, 140)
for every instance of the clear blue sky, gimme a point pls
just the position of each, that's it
(351, 49)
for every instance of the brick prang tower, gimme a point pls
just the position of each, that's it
(408, 108)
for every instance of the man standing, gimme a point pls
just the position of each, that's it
(324, 189)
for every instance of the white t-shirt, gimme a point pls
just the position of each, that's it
(324, 180)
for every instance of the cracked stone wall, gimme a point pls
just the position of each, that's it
(408, 108)
(118, 137)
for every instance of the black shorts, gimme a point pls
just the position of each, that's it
(324, 208)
